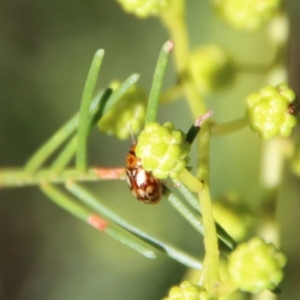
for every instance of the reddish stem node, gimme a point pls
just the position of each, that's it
(97, 222)
(202, 118)
(110, 173)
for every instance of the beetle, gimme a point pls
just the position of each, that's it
(143, 185)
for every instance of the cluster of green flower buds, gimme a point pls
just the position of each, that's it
(247, 15)
(127, 115)
(256, 265)
(187, 291)
(268, 111)
(211, 67)
(144, 8)
(162, 150)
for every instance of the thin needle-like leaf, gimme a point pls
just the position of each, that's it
(188, 195)
(70, 149)
(191, 216)
(196, 127)
(65, 156)
(107, 100)
(58, 138)
(193, 201)
(90, 200)
(99, 223)
(81, 159)
(157, 83)
(42, 154)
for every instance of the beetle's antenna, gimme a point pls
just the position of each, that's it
(132, 137)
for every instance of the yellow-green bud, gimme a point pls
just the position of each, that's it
(245, 14)
(187, 291)
(256, 265)
(268, 111)
(128, 114)
(162, 150)
(211, 67)
(144, 8)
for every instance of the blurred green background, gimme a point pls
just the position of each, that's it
(46, 48)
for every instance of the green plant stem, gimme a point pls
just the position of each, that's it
(229, 127)
(185, 176)
(64, 201)
(10, 178)
(42, 154)
(193, 184)
(210, 275)
(81, 159)
(174, 21)
(194, 98)
(194, 202)
(158, 78)
(193, 217)
(90, 200)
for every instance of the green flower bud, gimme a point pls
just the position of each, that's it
(144, 8)
(256, 265)
(162, 150)
(247, 15)
(235, 216)
(187, 291)
(268, 111)
(128, 114)
(211, 67)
